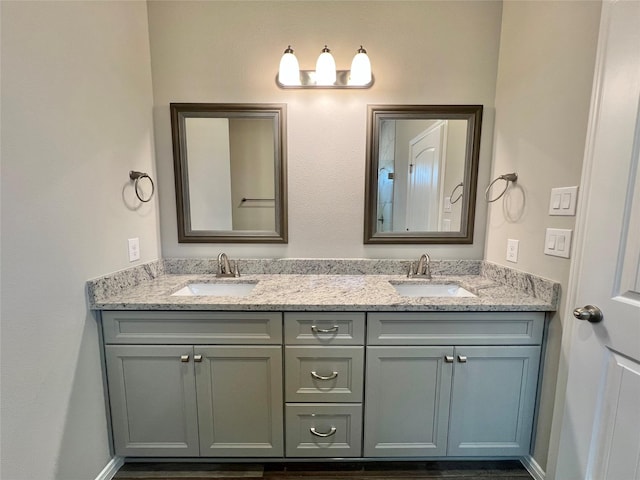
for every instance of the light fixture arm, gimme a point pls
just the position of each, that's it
(307, 80)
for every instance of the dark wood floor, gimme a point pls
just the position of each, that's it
(484, 470)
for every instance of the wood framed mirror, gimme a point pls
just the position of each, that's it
(421, 173)
(230, 172)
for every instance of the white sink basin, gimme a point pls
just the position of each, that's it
(215, 290)
(431, 290)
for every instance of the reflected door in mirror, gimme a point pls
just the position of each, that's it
(419, 160)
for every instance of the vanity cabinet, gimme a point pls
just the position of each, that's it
(460, 384)
(323, 384)
(185, 399)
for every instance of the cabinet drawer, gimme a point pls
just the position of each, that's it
(324, 328)
(192, 327)
(324, 374)
(324, 430)
(454, 328)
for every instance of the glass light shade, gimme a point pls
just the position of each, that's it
(289, 72)
(360, 68)
(325, 68)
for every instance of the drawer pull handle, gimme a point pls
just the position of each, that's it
(315, 329)
(323, 435)
(462, 359)
(320, 377)
(184, 358)
(448, 359)
(197, 358)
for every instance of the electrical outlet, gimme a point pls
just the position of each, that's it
(134, 249)
(447, 205)
(512, 250)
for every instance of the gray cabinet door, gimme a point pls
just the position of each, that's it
(407, 398)
(493, 399)
(153, 405)
(239, 391)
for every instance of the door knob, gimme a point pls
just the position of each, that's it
(588, 312)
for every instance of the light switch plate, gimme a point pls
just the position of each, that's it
(134, 249)
(557, 242)
(512, 250)
(563, 201)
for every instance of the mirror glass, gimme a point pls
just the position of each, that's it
(422, 166)
(229, 165)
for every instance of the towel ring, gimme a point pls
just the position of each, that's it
(454, 191)
(136, 177)
(507, 177)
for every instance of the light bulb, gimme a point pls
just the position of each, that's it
(325, 68)
(360, 68)
(289, 72)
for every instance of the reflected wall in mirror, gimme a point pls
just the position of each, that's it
(230, 172)
(422, 167)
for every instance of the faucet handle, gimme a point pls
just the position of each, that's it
(236, 269)
(411, 270)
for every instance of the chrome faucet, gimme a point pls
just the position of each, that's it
(424, 266)
(224, 267)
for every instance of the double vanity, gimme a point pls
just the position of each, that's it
(322, 359)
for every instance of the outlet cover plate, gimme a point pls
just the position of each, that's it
(512, 250)
(134, 249)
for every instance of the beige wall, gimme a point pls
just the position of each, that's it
(545, 73)
(76, 117)
(454, 174)
(427, 52)
(252, 145)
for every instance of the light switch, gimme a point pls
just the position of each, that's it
(561, 243)
(563, 201)
(557, 242)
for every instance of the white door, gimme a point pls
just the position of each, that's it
(600, 437)
(426, 172)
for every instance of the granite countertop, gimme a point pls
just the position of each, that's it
(151, 286)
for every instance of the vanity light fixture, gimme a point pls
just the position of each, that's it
(325, 75)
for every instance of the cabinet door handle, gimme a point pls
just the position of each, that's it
(184, 358)
(448, 359)
(197, 358)
(315, 329)
(323, 435)
(320, 377)
(462, 359)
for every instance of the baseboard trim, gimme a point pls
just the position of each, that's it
(533, 468)
(110, 470)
